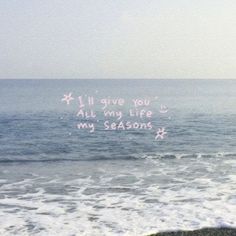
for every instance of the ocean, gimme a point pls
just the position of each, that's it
(123, 157)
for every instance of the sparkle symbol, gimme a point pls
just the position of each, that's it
(160, 133)
(67, 98)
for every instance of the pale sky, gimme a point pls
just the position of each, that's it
(117, 38)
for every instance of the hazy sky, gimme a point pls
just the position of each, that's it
(117, 38)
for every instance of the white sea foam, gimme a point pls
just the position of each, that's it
(119, 197)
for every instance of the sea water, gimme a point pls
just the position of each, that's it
(56, 179)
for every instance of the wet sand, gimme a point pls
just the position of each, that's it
(201, 232)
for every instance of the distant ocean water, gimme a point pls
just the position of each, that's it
(56, 179)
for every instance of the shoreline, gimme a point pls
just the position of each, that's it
(200, 232)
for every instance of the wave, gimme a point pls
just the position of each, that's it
(152, 156)
(193, 155)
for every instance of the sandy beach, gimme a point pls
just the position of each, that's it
(201, 232)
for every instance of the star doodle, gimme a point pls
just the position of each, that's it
(67, 98)
(160, 133)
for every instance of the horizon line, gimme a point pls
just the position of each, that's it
(114, 78)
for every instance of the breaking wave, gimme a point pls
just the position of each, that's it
(152, 156)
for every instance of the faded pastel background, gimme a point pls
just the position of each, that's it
(58, 180)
